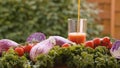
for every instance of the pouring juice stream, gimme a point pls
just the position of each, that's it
(78, 21)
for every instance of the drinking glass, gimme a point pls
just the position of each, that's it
(77, 30)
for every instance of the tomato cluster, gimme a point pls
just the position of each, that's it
(21, 50)
(105, 41)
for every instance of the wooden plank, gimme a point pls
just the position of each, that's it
(117, 19)
(113, 18)
(117, 32)
(103, 1)
(104, 15)
(100, 1)
(117, 6)
(117, 25)
(117, 10)
(101, 7)
(92, 0)
(104, 8)
(106, 26)
(107, 7)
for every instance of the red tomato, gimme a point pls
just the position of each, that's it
(109, 46)
(23, 47)
(89, 44)
(66, 45)
(106, 40)
(104, 44)
(96, 41)
(28, 48)
(20, 51)
(6, 49)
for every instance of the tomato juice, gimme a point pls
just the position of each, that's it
(77, 37)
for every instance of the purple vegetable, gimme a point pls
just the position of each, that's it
(6, 44)
(42, 48)
(45, 46)
(60, 40)
(37, 37)
(115, 50)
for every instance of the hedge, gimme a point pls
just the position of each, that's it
(20, 18)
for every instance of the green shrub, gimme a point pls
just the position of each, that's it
(20, 18)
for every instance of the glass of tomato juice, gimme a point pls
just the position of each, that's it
(75, 35)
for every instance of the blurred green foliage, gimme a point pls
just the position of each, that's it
(20, 18)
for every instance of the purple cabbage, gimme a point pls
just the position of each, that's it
(42, 48)
(46, 45)
(61, 40)
(115, 50)
(6, 44)
(36, 37)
